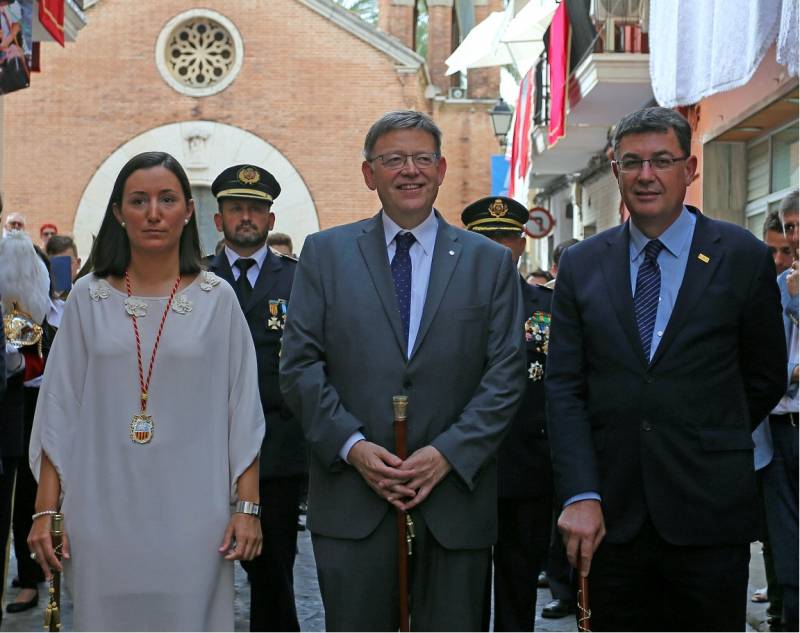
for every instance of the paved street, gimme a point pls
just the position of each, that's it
(310, 606)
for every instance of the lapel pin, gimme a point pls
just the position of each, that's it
(704, 258)
(452, 252)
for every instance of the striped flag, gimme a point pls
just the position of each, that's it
(521, 139)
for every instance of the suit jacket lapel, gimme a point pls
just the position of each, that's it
(446, 252)
(219, 265)
(267, 278)
(617, 272)
(372, 244)
(699, 272)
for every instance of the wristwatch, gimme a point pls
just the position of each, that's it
(248, 507)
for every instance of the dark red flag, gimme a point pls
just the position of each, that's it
(558, 58)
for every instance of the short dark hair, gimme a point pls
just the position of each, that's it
(401, 120)
(655, 119)
(279, 238)
(111, 250)
(558, 251)
(789, 204)
(60, 243)
(772, 223)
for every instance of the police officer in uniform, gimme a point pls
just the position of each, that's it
(525, 480)
(262, 279)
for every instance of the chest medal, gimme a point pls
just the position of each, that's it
(537, 331)
(276, 319)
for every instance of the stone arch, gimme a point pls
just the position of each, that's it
(204, 148)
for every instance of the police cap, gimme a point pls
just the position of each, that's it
(495, 213)
(246, 181)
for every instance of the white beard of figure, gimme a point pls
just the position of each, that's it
(23, 277)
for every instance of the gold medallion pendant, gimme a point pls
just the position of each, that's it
(142, 428)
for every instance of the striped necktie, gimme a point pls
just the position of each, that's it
(648, 290)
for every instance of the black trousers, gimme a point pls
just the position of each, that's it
(8, 473)
(272, 605)
(781, 498)
(519, 555)
(30, 574)
(559, 571)
(359, 585)
(651, 585)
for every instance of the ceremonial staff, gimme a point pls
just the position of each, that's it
(584, 612)
(405, 526)
(52, 613)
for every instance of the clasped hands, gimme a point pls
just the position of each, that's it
(403, 483)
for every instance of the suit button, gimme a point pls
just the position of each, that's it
(646, 426)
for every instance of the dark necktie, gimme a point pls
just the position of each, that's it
(648, 289)
(401, 272)
(243, 284)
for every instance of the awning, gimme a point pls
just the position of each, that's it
(481, 47)
(501, 39)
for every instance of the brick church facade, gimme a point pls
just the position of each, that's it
(303, 80)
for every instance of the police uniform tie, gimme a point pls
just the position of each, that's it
(648, 290)
(401, 272)
(243, 284)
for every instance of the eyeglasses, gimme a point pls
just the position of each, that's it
(661, 163)
(394, 162)
(789, 227)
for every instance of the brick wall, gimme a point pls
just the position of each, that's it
(307, 86)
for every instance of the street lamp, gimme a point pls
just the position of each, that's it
(501, 115)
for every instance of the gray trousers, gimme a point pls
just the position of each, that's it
(358, 582)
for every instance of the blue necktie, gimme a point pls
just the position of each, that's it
(401, 273)
(648, 289)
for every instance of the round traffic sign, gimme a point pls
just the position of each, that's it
(540, 223)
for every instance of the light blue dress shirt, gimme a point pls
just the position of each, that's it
(252, 273)
(672, 260)
(421, 254)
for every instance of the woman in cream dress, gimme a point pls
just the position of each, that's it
(151, 531)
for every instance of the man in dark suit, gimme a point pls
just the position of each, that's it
(403, 303)
(263, 282)
(524, 473)
(781, 475)
(666, 350)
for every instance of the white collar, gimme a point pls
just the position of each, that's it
(259, 256)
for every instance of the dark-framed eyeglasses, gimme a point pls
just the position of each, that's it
(660, 163)
(422, 160)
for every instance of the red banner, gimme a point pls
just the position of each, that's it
(558, 58)
(521, 139)
(51, 15)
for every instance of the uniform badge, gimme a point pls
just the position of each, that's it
(498, 209)
(277, 314)
(537, 331)
(535, 371)
(248, 176)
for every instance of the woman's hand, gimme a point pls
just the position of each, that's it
(40, 543)
(242, 540)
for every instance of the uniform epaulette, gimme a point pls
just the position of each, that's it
(284, 255)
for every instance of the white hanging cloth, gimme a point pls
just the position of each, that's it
(701, 48)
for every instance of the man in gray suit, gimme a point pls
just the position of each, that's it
(403, 303)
